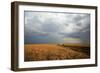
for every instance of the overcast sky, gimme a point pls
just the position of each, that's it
(54, 27)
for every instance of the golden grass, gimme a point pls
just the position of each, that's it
(78, 47)
(39, 52)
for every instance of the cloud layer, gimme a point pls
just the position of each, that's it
(53, 27)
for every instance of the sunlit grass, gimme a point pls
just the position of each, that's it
(40, 52)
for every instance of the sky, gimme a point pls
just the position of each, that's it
(56, 27)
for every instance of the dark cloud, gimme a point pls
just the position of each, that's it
(48, 27)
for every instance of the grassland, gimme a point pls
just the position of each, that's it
(78, 47)
(40, 52)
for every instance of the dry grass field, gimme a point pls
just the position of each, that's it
(40, 52)
(78, 47)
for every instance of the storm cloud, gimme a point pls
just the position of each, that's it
(55, 27)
